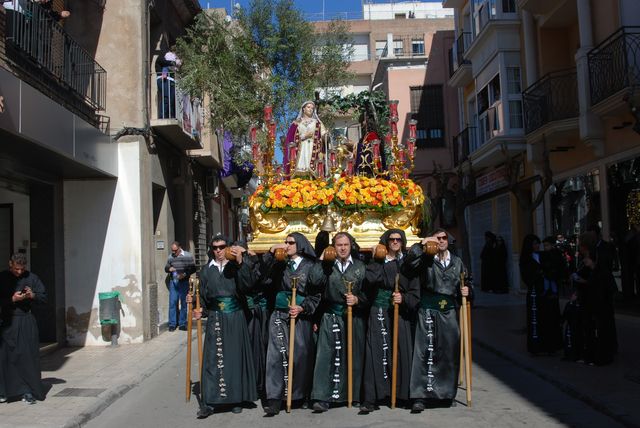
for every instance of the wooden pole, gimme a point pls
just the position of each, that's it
(199, 327)
(469, 347)
(189, 324)
(394, 361)
(461, 369)
(349, 349)
(465, 331)
(292, 342)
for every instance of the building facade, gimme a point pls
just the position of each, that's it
(538, 103)
(100, 175)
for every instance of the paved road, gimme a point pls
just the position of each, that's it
(504, 396)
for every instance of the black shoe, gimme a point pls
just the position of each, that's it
(272, 408)
(172, 329)
(204, 412)
(366, 408)
(305, 405)
(417, 407)
(320, 406)
(3, 399)
(183, 328)
(28, 398)
(236, 410)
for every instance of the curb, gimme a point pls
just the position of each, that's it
(113, 394)
(562, 386)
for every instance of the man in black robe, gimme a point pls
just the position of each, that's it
(19, 339)
(379, 287)
(228, 371)
(279, 279)
(436, 354)
(330, 378)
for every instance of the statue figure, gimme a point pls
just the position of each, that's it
(369, 158)
(307, 136)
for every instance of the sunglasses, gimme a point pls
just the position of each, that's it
(218, 247)
(290, 242)
(441, 238)
(395, 239)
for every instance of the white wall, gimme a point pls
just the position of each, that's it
(103, 250)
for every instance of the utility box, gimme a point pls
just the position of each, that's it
(110, 307)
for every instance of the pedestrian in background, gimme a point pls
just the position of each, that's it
(488, 263)
(180, 265)
(19, 338)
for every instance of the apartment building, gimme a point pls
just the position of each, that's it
(546, 84)
(101, 170)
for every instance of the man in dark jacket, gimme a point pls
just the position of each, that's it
(19, 339)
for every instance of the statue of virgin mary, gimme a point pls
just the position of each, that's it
(306, 134)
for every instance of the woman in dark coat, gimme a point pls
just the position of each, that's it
(228, 372)
(279, 277)
(379, 287)
(543, 313)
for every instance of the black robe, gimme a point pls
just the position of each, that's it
(380, 283)
(257, 321)
(544, 329)
(228, 372)
(330, 373)
(436, 354)
(19, 338)
(280, 279)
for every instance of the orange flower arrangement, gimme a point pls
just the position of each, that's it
(348, 192)
(367, 192)
(297, 193)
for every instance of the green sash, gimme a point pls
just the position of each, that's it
(383, 298)
(337, 309)
(283, 299)
(226, 304)
(438, 302)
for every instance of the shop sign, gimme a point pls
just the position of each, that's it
(491, 181)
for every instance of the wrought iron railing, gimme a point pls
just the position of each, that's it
(33, 34)
(172, 103)
(462, 144)
(615, 63)
(553, 97)
(462, 44)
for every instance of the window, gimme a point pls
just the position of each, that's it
(381, 47)
(417, 47)
(508, 6)
(494, 89)
(427, 108)
(515, 114)
(513, 81)
(398, 47)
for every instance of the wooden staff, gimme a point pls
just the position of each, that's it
(394, 361)
(349, 348)
(469, 347)
(465, 332)
(461, 371)
(189, 324)
(292, 342)
(199, 327)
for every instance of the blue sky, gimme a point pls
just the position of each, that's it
(313, 8)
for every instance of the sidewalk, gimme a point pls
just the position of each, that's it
(85, 381)
(499, 323)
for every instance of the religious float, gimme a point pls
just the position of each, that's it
(331, 186)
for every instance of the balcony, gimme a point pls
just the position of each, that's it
(176, 116)
(46, 57)
(495, 25)
(462, 74)
(614, 64)
(404, 47)
(462, 144)
(538, 7)
(551, 99)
